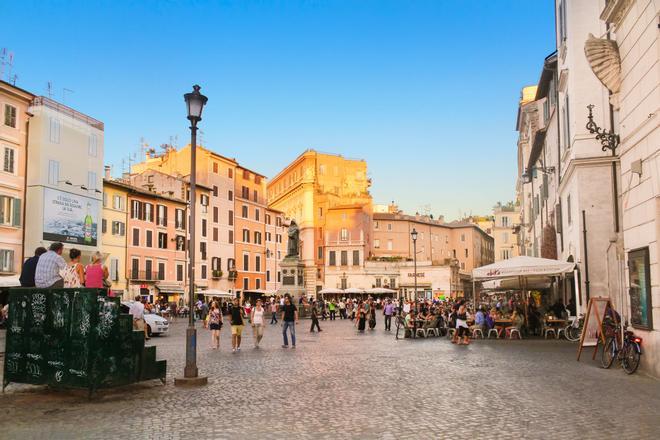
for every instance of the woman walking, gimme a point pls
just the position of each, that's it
(236, 326)
(257, 320)
(372, 315)
(215, 325)
(462, 328)
(361, 317)
(74, 274)
(96, 273)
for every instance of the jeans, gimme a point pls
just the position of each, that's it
(291, 325)
(332, 315)
(388, 322)
(273, 319)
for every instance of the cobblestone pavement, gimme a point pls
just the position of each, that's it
(340, 384)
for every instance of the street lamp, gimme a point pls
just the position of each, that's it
(195, 103)
(413, 234)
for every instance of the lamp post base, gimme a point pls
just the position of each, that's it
(191, 381)
(190, 372)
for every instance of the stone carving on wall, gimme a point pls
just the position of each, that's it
(603, 57)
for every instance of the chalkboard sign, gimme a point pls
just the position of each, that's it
(74, 338)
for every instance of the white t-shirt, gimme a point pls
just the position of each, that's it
(258, 316)
(137, 310)
(406, 307)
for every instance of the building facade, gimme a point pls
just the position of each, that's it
(113, 234)
(506, 218)
(14, 127)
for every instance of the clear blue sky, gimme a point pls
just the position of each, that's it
(425, 91)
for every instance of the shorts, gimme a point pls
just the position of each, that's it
(215, 326)
(138, 324)
(237, 330)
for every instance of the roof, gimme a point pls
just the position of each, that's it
(427, 221)
(61, 108)
(29, 96)
(537, 147)
(548, 72)
(134, 190)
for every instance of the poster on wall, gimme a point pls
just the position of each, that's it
(70, 218)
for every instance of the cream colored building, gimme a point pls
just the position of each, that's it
(306, 190)
(506, 218)
(64, 179)
(114, 234)
(14, 124)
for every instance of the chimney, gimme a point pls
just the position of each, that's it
(107, 172)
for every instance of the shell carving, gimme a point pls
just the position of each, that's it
(603, 56)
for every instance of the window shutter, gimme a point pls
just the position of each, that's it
(104, 226)
(16, 220)
(164, 215)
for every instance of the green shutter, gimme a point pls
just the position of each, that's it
(16, 220)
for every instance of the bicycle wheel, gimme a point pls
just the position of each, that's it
(630, 359)
(608, 354)
(573, 334)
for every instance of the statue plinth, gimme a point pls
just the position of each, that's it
(293, 281)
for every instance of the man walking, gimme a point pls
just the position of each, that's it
(137, 311)
(331, 308)
(342, 309)
(30, 267)
(388, 311)
(315, 319)
(289, 320)
(273, 311)
(49, 266)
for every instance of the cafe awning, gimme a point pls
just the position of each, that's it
(380, 291)
(169, 288)
(331, 291)
(522, 267)
(218, 293)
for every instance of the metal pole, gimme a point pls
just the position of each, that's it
(190, 370)
(415, 269)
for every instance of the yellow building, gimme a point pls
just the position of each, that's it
(306, 190)
(114, 218)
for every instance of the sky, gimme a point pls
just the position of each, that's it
(425, 91)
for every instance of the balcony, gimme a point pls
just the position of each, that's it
(233, 274)
(145, 275)
(216, 274)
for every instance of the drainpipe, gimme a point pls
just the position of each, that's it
(25, 173)
(615, 197)
(586, 255)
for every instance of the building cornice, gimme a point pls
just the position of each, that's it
(587, 162)
(615, 11)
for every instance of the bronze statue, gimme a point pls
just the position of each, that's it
(294, 240)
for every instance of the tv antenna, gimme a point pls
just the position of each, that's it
(7, 59)
(64, 92)
(49, 89)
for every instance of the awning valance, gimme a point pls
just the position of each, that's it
(522, 267)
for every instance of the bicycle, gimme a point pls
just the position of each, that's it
(628, 354)
(573, 330)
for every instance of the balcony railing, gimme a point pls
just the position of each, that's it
(145, 275)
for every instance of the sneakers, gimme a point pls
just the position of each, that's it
(293, 346)
(238, 348)
(233, 350)
(285, 346)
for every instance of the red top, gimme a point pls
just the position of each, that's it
(94, 276)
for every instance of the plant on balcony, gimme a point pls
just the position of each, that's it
(216, 274)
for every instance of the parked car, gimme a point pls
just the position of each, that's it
(156, 325)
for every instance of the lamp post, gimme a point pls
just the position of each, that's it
(195, 103)
(413, 234)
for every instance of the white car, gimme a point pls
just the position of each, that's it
(156, 325)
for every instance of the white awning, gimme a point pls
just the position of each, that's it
(169, 287)
(535, 283)
(331, 291)
(522, 267)
(354, 290)
(380, 291)
(218, 293)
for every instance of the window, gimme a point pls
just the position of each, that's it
(389, 245)
(149, 239)
(215, 214)
(230, 237)
(203, 271)
(267, 219)
(9, 161)
(344, 234)
(257, 283)
(462, 266)
(162, 241)
(269, 237)
(203, 227)
(562, 21)
(202, 249)
(230, 218)
(180, 241)
(505, 254)
(246, 236)
(268, 276)
(376, 225)
(320, 212)
(6, 260)
(148, 265)
(231, 264)
(10, 211)
(505, 237)
(389, 226)
(278, 238)
(215, 167)
(114, 269)
(246, 283)
(356, 258)
(344, 283)
(256, 195)
(256, 214)
(332, 258)
(246, 262)
(244, 211)
(216, 264)
(639, 275)
(53, 172)
(319, 253)
(246, 175)
(568, 210)
(257, 263)
(230, 173)
(379, 282)
(179, 219)
(215, 191)
(135, 268)
(161, 271)
(136, 237)
(505, 222)
(10, 116)
(118, 202)
(462, 237)
(92, 145)
(245, 192)
(215, 234)
(54, 130)
(179, 272)
(344, 258)
(377, 244)
(257, 237)
(204, 201)
(162, 215)
(566, 132)
(279, 276)
(392, 283)
(118, 228)
(230, 195)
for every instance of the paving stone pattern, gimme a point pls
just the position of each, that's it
(341, 384)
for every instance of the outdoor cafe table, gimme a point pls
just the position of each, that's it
(556, 324)
(504, 323)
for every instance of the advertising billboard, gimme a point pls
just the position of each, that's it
(70, 218)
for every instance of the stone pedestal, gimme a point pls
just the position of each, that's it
(293, 280)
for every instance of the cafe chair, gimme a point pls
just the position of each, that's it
(560, 331)
(477, 331)
(420, 330)
(548, 330)
(513, 330)
(432, 330)
(493, 330)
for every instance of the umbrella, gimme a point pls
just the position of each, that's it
(380, 291)
(354, 290)
(331, 291)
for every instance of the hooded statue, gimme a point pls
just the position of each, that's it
(294, 240)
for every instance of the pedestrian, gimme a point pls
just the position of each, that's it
(215, 325)
(236, 326)
(289, 320)
(96, 273)
(331, 309)
(74, 274)
(372, 314)
(342, 309)
(361, 317)
(49, 268)
(388, 311)
(137, 311)
(273, 312)
(257, 320)
(315, 319)
(29, 268)
(462, 329)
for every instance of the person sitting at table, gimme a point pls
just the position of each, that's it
(516, 322)
(558, 309)
(410, 322)
(499, 325)
(479, 320)
(489, 320)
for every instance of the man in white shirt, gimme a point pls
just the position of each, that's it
(137, 311)
(406, 307)
(49, 266)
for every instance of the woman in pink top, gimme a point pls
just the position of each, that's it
(95, 273)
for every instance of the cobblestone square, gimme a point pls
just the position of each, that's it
(341, 384)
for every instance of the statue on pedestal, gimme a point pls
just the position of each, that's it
(294, 240)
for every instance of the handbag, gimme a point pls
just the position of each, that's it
(106, 283)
